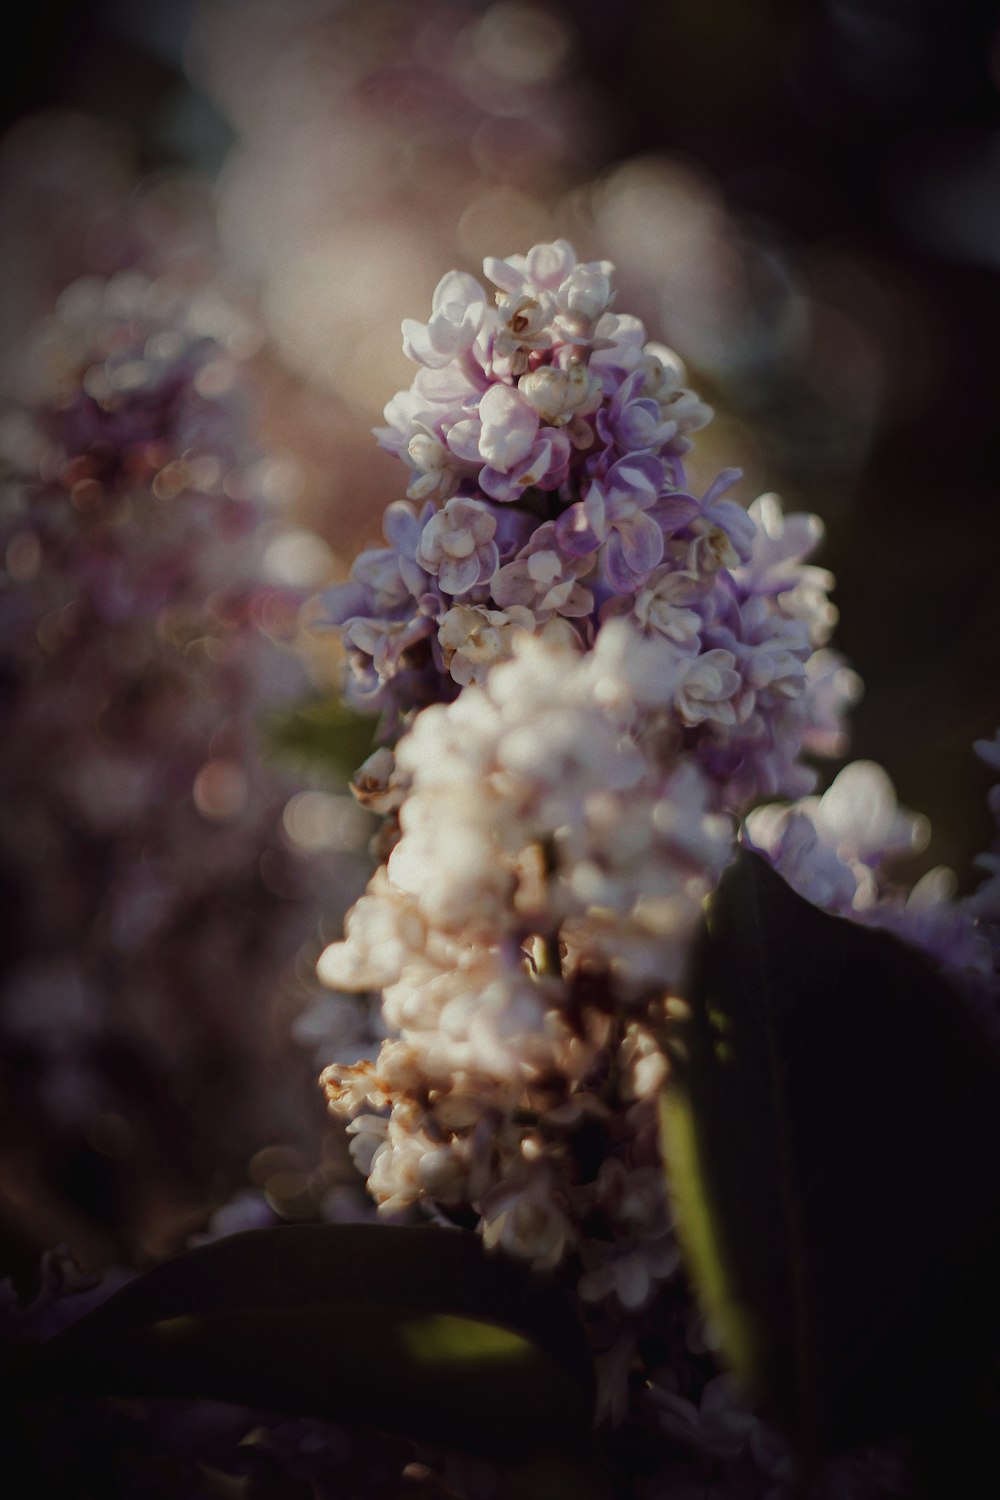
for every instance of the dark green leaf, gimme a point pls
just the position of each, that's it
(831, 1134)
(326, 735)
(414, 1331)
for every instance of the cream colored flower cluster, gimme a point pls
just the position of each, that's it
(525, 933)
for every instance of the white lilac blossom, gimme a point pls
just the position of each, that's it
(540, 897)
(837, 849)
(545, 438)
(159, 901)
(525, 933)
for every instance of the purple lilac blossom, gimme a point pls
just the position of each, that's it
(157, 900)
(545, 438)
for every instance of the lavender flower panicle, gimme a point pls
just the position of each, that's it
(545, 439)
(593, 671)
(159, 903)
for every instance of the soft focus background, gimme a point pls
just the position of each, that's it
(801, 196)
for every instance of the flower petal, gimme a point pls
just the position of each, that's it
(509, 427)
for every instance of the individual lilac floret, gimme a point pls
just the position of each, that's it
(544, 579)
(457, 311)
(457, 546)
(546, 437)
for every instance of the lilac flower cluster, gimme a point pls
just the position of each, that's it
(837, 850)
(593, 671)
(545, 440)
(525, 932)
(157, 903)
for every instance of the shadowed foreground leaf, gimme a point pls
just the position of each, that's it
(413, 1331)
(831, 1134)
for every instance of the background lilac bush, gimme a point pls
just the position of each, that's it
(163, 877)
